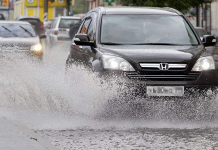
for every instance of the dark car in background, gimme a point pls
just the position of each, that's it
(2, 17)
(201, 33)
(35, 22)
(19, 37)
(157, 50)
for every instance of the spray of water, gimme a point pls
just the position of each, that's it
(41, 93)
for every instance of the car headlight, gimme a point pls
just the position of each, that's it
(116, 63)
(204, 63)
(36, 47)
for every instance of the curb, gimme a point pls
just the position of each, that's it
(33, 135)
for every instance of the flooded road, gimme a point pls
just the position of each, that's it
(151, 139)
(79, 112)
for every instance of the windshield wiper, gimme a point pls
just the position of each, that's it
(111, 43)
(10, 31)
(27, 31)
(162, 44)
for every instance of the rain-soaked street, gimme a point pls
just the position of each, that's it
(77, 112)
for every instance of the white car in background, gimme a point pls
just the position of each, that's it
(58, 33)
(19, 37)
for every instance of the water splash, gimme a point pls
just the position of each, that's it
(32, 89)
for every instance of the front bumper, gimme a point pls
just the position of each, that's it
(20, 54)
(205, 83)
(37, 54)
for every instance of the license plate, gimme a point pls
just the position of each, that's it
(165, 90)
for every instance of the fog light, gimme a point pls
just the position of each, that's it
(209, 92)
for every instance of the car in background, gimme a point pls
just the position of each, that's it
(201, 33)
(20, 37)
(2, 17)
(79, 15)
(59, 30)
(38, 26)
(47, 24)
(155, 50)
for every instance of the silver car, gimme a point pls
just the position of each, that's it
(20, 37)
(59, 29)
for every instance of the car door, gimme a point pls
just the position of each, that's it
(78, 53)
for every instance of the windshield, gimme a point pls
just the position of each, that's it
(67, 23)
(16, 30)
(201, 32)
(146, 29)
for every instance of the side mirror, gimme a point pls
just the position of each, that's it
(83, 40)
(42, 36)
(209, 40)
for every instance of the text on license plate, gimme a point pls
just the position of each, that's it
(165, 90)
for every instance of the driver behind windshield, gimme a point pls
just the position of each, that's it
(146, 29)
(112, 33)
(159, 34)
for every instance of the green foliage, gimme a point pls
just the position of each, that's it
(79, 7)
(181, 5)
(109, 2)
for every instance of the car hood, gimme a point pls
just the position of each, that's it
(17, 43)
(155, 53)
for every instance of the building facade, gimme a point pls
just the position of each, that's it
(214, 18)
(36, 8)
(6, 8)
(96, 3)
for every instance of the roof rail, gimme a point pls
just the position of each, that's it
(176, 11)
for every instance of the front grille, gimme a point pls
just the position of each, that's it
(162, 66)
(157, 76)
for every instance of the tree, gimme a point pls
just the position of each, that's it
(181, 5)
(79, 6)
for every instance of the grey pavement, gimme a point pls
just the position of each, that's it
(17, 137)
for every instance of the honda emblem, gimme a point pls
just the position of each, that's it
(164, 66)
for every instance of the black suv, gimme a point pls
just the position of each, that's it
(156, 48)
(35, 22)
